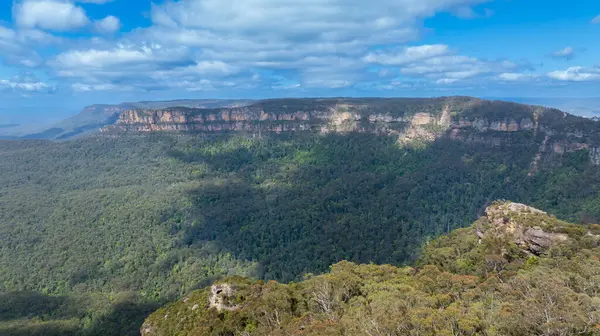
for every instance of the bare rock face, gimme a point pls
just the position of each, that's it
(536, 240)
(529, 228)
(500, 125)
(221, 297)
(595, 155)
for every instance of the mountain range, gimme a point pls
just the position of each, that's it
(94, 117)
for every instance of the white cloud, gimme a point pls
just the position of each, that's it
(7, 34)
(447, 67)
(207, 44)
(25, 83)
(98, 2)
(515, 76)
(566, 53)
(29, 87)
(446, 80)
(223, 44)
(80, 87)
(440, 64)
(122, 58)
(407, 54)
(141, 67)
(16, 46)
(108, 25)
(50, 15)
(295, 36)
(327, 83)
(298, 19)
(576, 74)
(596, 20)
(93, 58)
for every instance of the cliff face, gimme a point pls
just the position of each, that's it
(459, 118)
(324, 115)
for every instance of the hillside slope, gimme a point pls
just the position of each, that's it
(516, 271)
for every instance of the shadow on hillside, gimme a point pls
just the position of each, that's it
(298, 205)
(32, 313)
(124, 319)
(18, 305)
(36, 314)
(52, 328)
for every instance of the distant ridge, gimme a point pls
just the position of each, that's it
(94, 117)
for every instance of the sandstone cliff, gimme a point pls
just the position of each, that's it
(460, 118)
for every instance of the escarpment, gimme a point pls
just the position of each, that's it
(471, 120)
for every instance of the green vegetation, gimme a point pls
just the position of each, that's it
(105, 225)
(462, 286)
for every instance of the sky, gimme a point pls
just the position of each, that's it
(57, 56)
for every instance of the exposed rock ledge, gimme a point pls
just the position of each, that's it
(532, 230)
(221, 296)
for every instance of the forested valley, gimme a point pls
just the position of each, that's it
(98, 232)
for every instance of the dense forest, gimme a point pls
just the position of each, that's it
(97, 232)
(516, 271)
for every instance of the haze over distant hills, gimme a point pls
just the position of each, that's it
(94, 117)
(587, 107)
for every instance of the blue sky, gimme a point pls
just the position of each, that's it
(57, 56)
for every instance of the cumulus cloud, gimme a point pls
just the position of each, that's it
(26, 83)
(142, 67)
(439, 63)
(302, 36)
(318, 43)
(567, 53)
(515, 76)
(108, 25)
(29, 87)
(54, 15)
(199, 45)
(123, 58)
(446, 80)
(576, 74)
(293, 20)
(80, 87)
(407, 54)
(16, 46)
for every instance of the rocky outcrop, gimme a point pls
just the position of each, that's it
(221, 296)
(533, 230)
